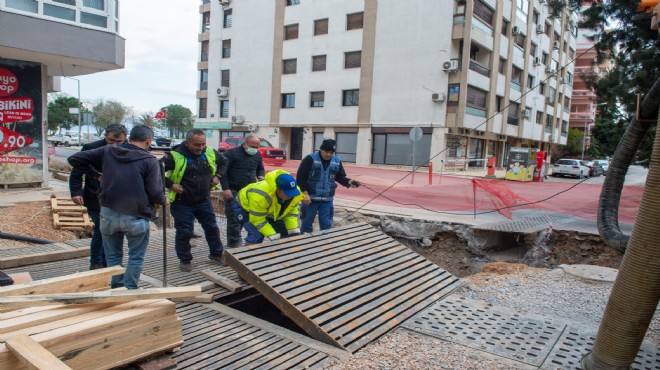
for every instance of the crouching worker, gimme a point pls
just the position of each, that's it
(269, 208)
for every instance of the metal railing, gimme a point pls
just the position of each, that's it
(474, 66)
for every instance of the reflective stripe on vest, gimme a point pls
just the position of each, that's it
(180, 163)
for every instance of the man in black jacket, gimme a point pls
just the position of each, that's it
(88, 196)
(193, 170)
(130, 185)
(244, 167)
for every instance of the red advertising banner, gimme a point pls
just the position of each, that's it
(11, 140)
(8, 82)
(15, 109)
(18, 160)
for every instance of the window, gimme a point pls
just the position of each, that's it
(547, 29)
(453, 93)
(476, 97)
(395, 148)
(498, 103)
(205, 51)
(291, 32)
(202, 108)
(227, 18)
(564, 127)
(224, 77)
(512, 116)
(505, 26)
(548, 123)
(354, 21)
(226, 48)
(571, 53)
(292, 2)
(289, 100)
(484, 13)
(520, 39)
(96, 4)
(316, 99)
(567, 103)
(516, 75)
(522, 5)
(204, 79)
(350, 98)
(535, 17)
(530, 82)
(532, 49)
(551, 95)
(353, 59)
(206, 21)
(539, 117)
(321, 27)
(224, 108)
(346, 146)
(502, 66)
(544, 58)
(569, 77)
(318, 63)
(289, 66)
(542, 88)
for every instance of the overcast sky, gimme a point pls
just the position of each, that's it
(161, 58)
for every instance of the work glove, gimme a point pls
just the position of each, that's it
(293, 232)
(273, 237)
(354, 183)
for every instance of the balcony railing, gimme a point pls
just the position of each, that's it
(479, 68)
(585, 70)
(512, 120)
(99, 14)
(582, 116)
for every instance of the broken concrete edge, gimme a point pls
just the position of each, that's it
(286, 333)
(591, 272)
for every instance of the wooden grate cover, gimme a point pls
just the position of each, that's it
(346, 286)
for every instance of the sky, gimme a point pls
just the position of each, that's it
(161, 58)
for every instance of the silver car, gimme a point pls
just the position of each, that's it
(603, 163)
(570, 167)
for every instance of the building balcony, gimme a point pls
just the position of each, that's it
(474, 66)
(587, 70)
(582, 116)
(70, 38)
(583, 94)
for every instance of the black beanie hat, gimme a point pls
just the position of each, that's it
(329, 145)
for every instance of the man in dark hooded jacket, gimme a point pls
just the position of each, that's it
(130, 185)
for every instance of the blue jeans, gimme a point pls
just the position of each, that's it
(325, 211)
(233, 227)
(184, 223)
(96, 254)
(114, 227)
(254, 236)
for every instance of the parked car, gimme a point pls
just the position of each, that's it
(66, 139)
(570, 167)
(161, 142)
(271, 155)
(603, 163)
(595, 169)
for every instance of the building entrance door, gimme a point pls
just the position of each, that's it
(296, 143)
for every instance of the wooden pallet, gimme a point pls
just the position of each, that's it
(69, 216)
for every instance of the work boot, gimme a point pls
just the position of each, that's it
(217, 260)
(185, 266)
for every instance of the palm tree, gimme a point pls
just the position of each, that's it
(148, 120)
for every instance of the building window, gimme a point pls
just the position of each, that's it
(535, 17)
(453, 93)
(530, 82)
(522, 5)
(224, 108)
(205, 51)
(202, 108)
(512, 116)
(346, 146)
(224, 77)
(498, 103)
(520, 39)
(204, 79)
(289, 100)
(354, 21)
(353, 59)
(564, 127)
(226, 48)
(547, 29)
(395, 148)
(571, 53)
(289, 66)
(502, 67)
(321, 27)
(292, 2)
(476, 97)
(539, 117)
(567, 103)
(291, 32)
(206, 21)
(516, 75)
(532, 49)
(350, 98)
(551, 95)
(316, 99)
(318, 63)
(569, 77)
(542, 88)
(505, 26)
(483, 12)
(548, 123)
(227, 18)
(544, 58)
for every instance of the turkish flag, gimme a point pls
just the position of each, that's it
(162, 114)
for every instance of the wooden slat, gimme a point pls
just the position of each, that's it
(222, 281)
(33, 355)
(8, 262)
(80, 282)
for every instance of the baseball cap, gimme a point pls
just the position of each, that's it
(287, 184)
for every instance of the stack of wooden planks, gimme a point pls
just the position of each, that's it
(69, 216)
(74, 322)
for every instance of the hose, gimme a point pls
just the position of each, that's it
(24, 238)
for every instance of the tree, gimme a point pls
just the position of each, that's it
(605, 137)
(108, 112)
(574, 143)
(58, 112)
(148, 120)
(179, 119)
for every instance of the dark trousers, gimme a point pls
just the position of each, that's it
(254, 235)
(184, 223)
(233, 226)
(96, 254)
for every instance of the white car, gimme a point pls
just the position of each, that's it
(570, 167)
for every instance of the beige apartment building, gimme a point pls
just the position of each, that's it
(476, 77)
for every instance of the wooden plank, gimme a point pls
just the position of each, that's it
(33, 355)
(202, 298)
(97, 297)
(224, 282)
(39, 315)
(80, 282)
(8, 262)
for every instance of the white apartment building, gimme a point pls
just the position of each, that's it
(476, 76)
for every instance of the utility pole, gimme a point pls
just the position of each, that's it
(79, 109)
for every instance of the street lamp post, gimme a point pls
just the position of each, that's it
(79, 110)
(584, 138)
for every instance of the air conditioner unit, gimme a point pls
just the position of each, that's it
(237, 119)
(540, 28)
(515, 30)
(252, 127)
(526, 113)
(450, 65)
(438, 98)
(224, 2)
(223, 91)
(537, 61)
(555, 45)
(549, 70)
(565, 81)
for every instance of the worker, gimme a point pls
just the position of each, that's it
(87, 195)
(317, 176)
(244, 167)
(269, 208)
(192, 171)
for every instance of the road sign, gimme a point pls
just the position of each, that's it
(416, 134)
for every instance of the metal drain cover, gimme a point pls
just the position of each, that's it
(488, 328)
(527, 224)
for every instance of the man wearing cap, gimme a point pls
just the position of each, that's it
(269, 208)
(317, 176)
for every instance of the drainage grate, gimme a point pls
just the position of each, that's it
(484, 327)
(527, 224)
(572, 346)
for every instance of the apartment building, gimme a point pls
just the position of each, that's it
(476, 76)
(42, 41)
